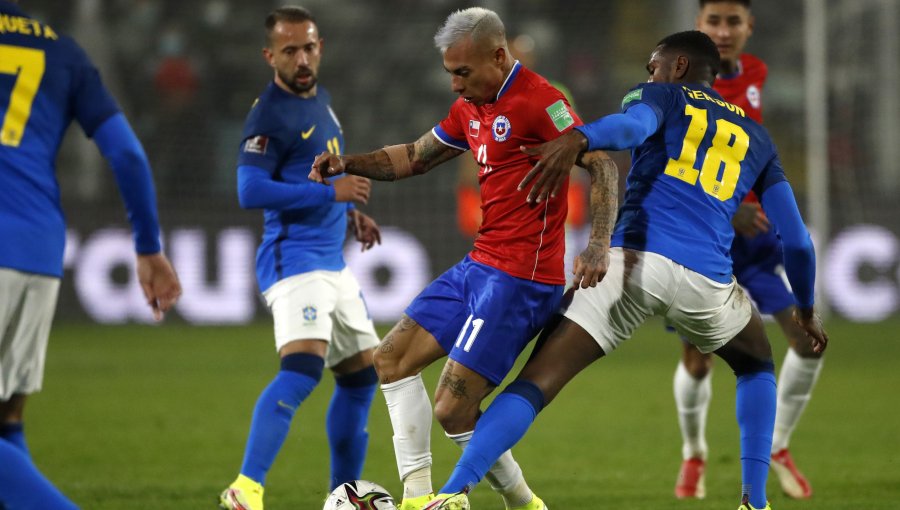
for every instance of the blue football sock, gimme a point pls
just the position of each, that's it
(275, 408)
(346, 422)
(756, 398)
(23, 486)
(14, 433)
(501, 426)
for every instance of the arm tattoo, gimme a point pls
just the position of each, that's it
(424, 154)
(604, 195)
(428, 152)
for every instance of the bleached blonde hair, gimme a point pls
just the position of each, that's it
(476, 22)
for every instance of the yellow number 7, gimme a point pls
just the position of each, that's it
(28, 66)
(722, 152)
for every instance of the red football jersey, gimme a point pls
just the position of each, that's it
(744, 89)
(524, 240)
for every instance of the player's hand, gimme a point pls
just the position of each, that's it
(159, 283)
(352, 189)
(557, 157)
(326, 165)
(809, 320)
(365, 230)
(591, 266)
(750, 220)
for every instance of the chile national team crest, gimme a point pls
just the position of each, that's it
(753, 96)
(501, 128)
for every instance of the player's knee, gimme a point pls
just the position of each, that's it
(454, 417)
(303, 363)
(747, 365)
(531, 392)
(388, 365)
(698, 366)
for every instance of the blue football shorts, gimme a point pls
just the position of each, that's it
(757, 262)
(483, 317)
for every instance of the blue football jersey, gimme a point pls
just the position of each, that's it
(687, 179)
(283, 134)
(46, 81)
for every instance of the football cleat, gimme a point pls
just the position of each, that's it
(242, 494)
(793, 483)
(458, 501)
(745, 504)
(691, 479)
(535, 504)
(415, 503)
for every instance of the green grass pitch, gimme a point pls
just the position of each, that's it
(156, 417)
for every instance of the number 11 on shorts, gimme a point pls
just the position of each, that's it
(476, 327)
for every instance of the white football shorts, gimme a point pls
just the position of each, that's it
(641, 284)
(322, 305)
(27, 305)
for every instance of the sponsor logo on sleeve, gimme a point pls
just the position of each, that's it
(256, 144)
(634, 95)
(501, 128)
(560, 115)
(474, 128)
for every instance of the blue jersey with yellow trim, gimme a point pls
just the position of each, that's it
(688, 178)
(283, 134)
(46, 81)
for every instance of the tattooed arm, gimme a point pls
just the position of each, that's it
(591, 265)
(420, 156)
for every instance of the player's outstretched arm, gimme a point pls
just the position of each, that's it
(614, 132)
(387, 164)
(591, 265)
(799, 258)
(120, 146)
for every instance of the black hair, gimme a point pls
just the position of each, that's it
(288, 13)
(745, 3)
(700, 49)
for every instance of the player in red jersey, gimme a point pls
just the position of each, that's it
(483, 311)
(757, 256)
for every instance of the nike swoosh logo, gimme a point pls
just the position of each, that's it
(306, 134)
(282, 404)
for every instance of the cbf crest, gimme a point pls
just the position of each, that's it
(501, 128)
(310, 313)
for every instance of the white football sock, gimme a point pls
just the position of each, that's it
(795, 384)
(505, 476)
(410, 410)
(692, 398)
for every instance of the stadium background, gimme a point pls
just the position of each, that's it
(186, 73)
(136, 416)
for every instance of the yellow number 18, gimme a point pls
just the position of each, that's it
(723, 152)
(28, 66)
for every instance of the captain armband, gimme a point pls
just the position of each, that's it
(399, 160)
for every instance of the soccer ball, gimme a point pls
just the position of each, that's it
(359, 495)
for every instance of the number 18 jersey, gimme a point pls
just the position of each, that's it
(688, 178)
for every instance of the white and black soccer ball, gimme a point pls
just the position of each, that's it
(359, 495)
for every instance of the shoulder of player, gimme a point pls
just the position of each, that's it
(531, 83)
(753, 65)
(535, 93)
(273, 112)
